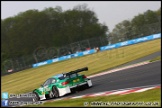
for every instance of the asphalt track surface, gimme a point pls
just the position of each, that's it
(149, 74)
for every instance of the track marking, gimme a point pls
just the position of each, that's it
(144, 89)
(121, 68)
(115, 92)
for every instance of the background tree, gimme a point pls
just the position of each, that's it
(51, 27)
(141, 25)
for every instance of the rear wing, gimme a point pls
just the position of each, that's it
(77, 71)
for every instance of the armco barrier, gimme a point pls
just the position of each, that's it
(129, 42)
(79, 54)
(108, 47)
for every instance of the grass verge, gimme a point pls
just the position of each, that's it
(149, 98)
(155, 59)
(28, 80)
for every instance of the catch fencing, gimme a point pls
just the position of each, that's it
(43, 55)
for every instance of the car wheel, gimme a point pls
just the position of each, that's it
(51, 95)
(55, 91)
(86, 86)
(37, 98)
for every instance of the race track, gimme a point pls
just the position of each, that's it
(148, 74)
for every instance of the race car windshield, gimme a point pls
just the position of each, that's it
(60, 76)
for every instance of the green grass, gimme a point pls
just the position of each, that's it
(28, 80)
(155, 59)
(150, 96)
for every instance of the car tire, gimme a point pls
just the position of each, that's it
(37, 98)
(86, 86)
(51, 95)
(55, 91)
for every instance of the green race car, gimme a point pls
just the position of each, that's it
(62, 84)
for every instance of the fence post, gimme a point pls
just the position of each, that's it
(88, 43)
(35, 58)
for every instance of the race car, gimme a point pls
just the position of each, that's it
(62, 84)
